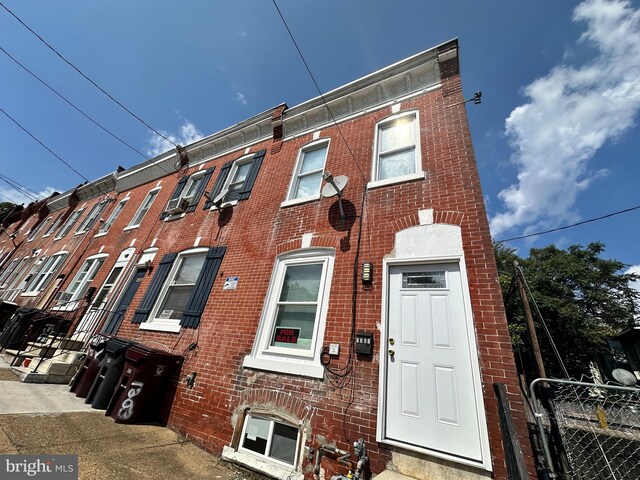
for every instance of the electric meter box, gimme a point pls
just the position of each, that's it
(364, 343)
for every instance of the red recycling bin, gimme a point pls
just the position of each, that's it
(146, 374)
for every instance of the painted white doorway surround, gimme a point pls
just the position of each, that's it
(430, 394)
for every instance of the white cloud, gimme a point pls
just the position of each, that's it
(571, 112)
(189, 133)
(634, 269)
(8, 194)
(241, 98)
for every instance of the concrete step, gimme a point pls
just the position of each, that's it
(28, 376)
(61, 343)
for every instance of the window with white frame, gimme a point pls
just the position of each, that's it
(92, 217)
(270, 438)
(37, 229)
(307, 176)
(80, 283)
(68, 225)
(4, 277)
(293, 319)
(191, 187)
(113, 217)
(177, 289)
(53, 226)
(238, 174)
(397, 149)
(144, 208)
(18, 273)
(24, 281)
(40, 280)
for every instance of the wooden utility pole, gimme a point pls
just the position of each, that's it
(530, 325)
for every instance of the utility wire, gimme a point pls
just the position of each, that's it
(87, 78)
(29, 196)
(43, 145)
(20, 188)
(74, 106)
(564, 227)
(317, 88)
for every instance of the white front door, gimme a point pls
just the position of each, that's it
(430, 392)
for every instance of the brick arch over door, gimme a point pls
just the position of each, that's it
(449, 217)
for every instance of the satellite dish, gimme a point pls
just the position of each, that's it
(624, 377)
(334, 185)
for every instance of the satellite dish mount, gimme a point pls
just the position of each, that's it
(335, 186)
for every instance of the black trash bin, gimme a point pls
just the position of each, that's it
(6, 310)
(109, 372)
(13, 335)
(140, 391)
(87, 372)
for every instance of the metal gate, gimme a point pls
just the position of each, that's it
(592, 431)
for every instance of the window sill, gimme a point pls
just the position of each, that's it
(299, 201)
(80, 233)
(29, 294)
(66, 308)
(101, 234)
(161, 327)
(280, 366)
(256, 463)
(175, 216)
(131, 227)
(395, 180)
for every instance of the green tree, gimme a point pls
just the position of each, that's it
(583, 298)
(5, 209)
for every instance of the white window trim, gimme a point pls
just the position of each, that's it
(418, 173)
(186, 187)
(73, 301)
(269, 441)
(110, 220)
(264, 357)
(69, 222)
(34, 233)
(131, 226)
(95, 210)
(296, 172)
(234, 169)
(169, 324)
(52, 227)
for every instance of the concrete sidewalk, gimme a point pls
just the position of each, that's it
(37, 419)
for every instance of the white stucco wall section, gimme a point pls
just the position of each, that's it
(430, 241)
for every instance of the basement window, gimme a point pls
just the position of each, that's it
(270, 438)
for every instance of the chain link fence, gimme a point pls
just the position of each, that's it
(592, 430)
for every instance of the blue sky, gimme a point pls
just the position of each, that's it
(555, 137)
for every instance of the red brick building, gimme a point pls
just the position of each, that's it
(233, 257)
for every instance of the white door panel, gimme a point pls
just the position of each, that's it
(429, 385)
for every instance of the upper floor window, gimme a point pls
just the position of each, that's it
(37, 228)
(68, 225)
(397, 150)
(187, 193)
(144, 208)
(294, 315)
(53, 226)
(114, 215)
(307, 176)
(92, 217)
(236, 180)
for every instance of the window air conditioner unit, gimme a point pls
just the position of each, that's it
(177, 205)
(63, 297)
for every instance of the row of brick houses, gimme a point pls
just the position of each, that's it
(274, 292)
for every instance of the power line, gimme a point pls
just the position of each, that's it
(29, 196)
(74, 106)
(87, 78)
(317, 88)
(564, 227)
(18, 186)
(43, 145)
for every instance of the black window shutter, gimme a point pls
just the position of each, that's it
(176, 193)
(203, 186)
(151, 295)
(222, 177)
(200, 294)
(245, 191)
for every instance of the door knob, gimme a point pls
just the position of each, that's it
(392, 353)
